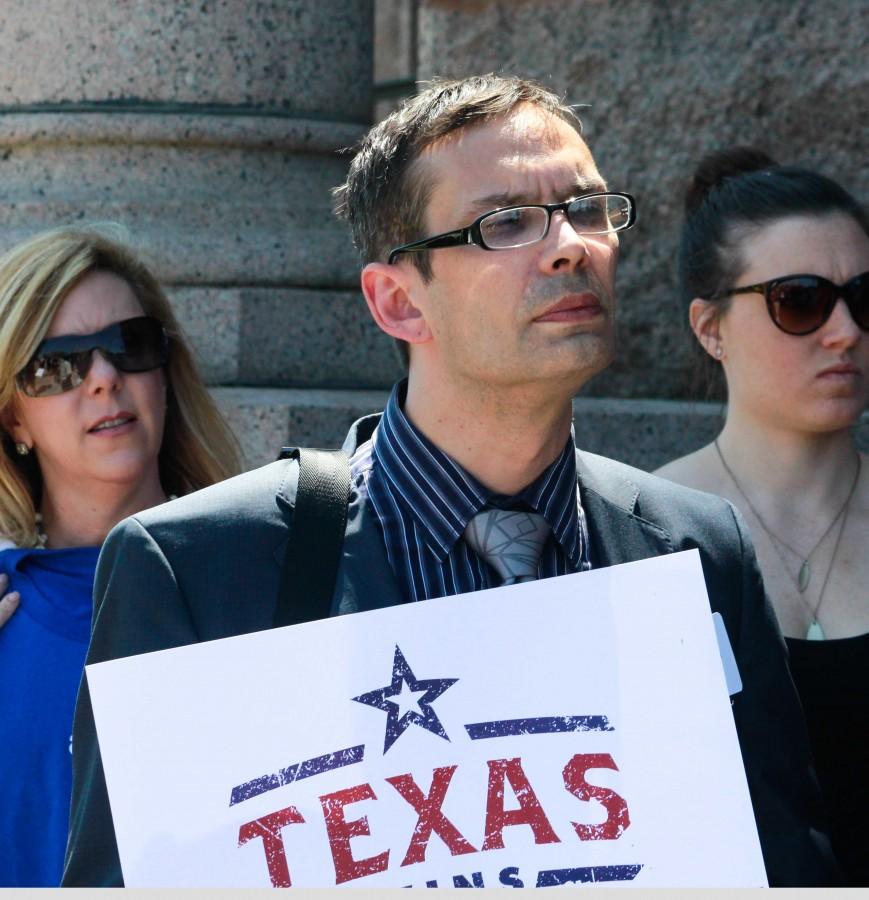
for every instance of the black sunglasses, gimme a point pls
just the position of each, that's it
(800, 304)
(62, 363)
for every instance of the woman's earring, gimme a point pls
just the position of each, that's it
(21, 448)
(719, 352)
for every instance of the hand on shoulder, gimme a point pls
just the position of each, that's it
(8, 602)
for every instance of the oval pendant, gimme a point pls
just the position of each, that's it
(815, 632)
(804, 577)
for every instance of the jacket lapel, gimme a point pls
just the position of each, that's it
(617, 533)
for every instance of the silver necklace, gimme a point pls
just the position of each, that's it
(814, 631)
(805, 574)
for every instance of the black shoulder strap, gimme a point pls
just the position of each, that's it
(314, 549)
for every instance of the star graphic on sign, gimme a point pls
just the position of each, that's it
(402, 711)
(407, 701)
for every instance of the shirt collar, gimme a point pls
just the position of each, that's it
(434, 488)
(443, 497)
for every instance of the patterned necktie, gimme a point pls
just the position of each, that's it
(510, 541)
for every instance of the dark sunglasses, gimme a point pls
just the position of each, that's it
(800, 304)
(62, 363)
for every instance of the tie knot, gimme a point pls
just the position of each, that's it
(510, 541)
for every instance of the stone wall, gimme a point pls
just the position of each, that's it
(665, 82)
(210, 130)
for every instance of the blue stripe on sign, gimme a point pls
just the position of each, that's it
(586, 874)
(540, 725)
(296, 772)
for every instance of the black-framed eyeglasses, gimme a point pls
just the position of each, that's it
(517, 226)
(62, 363)
(800, 304)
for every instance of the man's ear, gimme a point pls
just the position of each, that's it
(705, 318)
(388, 292)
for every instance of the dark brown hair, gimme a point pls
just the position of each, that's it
(732, 193)
(384, 197)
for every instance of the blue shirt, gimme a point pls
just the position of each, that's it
(423, 501)
(42, 653)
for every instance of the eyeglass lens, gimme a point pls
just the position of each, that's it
(527, 224)
(802, 305)
(62, 364)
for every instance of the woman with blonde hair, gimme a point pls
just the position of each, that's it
(774, 268)
(102, 414)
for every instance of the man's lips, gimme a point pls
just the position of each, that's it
(112, 424)
(580, 307)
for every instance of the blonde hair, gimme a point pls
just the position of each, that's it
(35, 278)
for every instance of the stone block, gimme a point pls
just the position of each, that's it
(259, 420)
(211, 321)
(395, 40)
(642, 433)
(286, 337)
(649, 433)
(313, 339)
(266, 419)
(288, 55)
(664, 83)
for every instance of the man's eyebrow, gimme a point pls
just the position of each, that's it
(495, 201)
(480, 205)
(587, 185)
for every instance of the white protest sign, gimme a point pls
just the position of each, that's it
(572, 730)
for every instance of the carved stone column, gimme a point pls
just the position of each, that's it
(210, 130)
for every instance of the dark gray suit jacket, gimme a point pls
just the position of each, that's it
(207, 566)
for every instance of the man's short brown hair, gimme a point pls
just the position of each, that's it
(384, 199)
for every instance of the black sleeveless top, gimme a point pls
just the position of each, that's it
(832, 678)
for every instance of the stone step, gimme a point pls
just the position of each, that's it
(266, 419)
(643, 433)
(286, 337)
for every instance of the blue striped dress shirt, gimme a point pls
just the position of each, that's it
(423, 501)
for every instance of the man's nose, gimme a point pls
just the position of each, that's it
(564, 247)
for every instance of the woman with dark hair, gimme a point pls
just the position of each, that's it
(774, 267)
(102, 414)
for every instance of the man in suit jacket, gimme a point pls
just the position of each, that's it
(490, 243)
